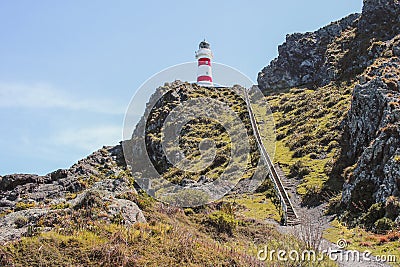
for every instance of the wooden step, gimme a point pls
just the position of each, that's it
(293, 222)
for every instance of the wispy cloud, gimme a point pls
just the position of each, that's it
(90, 138)
(46, 96)
(58, 149)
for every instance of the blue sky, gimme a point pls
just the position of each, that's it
(68, 69)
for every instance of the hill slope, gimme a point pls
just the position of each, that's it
(106, 221)
(335, 94)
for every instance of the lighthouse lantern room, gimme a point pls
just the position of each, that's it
(204, 57)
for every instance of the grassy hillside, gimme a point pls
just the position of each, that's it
(228, 232)
(193, 133)
(308, 135)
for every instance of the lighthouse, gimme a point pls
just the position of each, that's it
(204, 56)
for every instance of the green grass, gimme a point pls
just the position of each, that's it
(24, 206)
(361, 240)
(60, 206)
(307, 128)
(254, 206)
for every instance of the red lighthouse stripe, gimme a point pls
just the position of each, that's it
(204, 61)
(204, 79)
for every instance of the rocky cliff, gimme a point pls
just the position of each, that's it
(99, 182)
(309, 58)
(338, 51)
(361, 51)
(372, 138)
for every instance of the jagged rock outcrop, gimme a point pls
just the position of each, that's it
(16, 224)
(378, 25)
(51, 187)
(372, 135)
(26, 199)
(338, 51)
(305, 58)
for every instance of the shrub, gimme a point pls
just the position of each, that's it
(144, 201)
(362, 198)
(60, 206)
(23, 206)
(21, 221)
(298, 170)
(383, 225)
(392, 207)
(188, 211)
(334, 205)
(365, 244)
(267, 187)
(118, 218)
(91, 199)
(394, 235)
(187, 198)
(374, 213)
(129, 195)
(313, 196)
(223, 222)
(383, 240)
(70, 196)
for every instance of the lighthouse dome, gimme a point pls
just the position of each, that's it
(204, 44)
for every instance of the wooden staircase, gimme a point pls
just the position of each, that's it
(276, 174)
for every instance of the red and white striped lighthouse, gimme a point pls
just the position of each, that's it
(204, 72)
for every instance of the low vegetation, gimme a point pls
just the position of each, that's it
(384, 244)
(308, 134)
(196, 131)
(220, 233)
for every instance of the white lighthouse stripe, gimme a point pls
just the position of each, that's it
(205, 53)
(204, 68)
